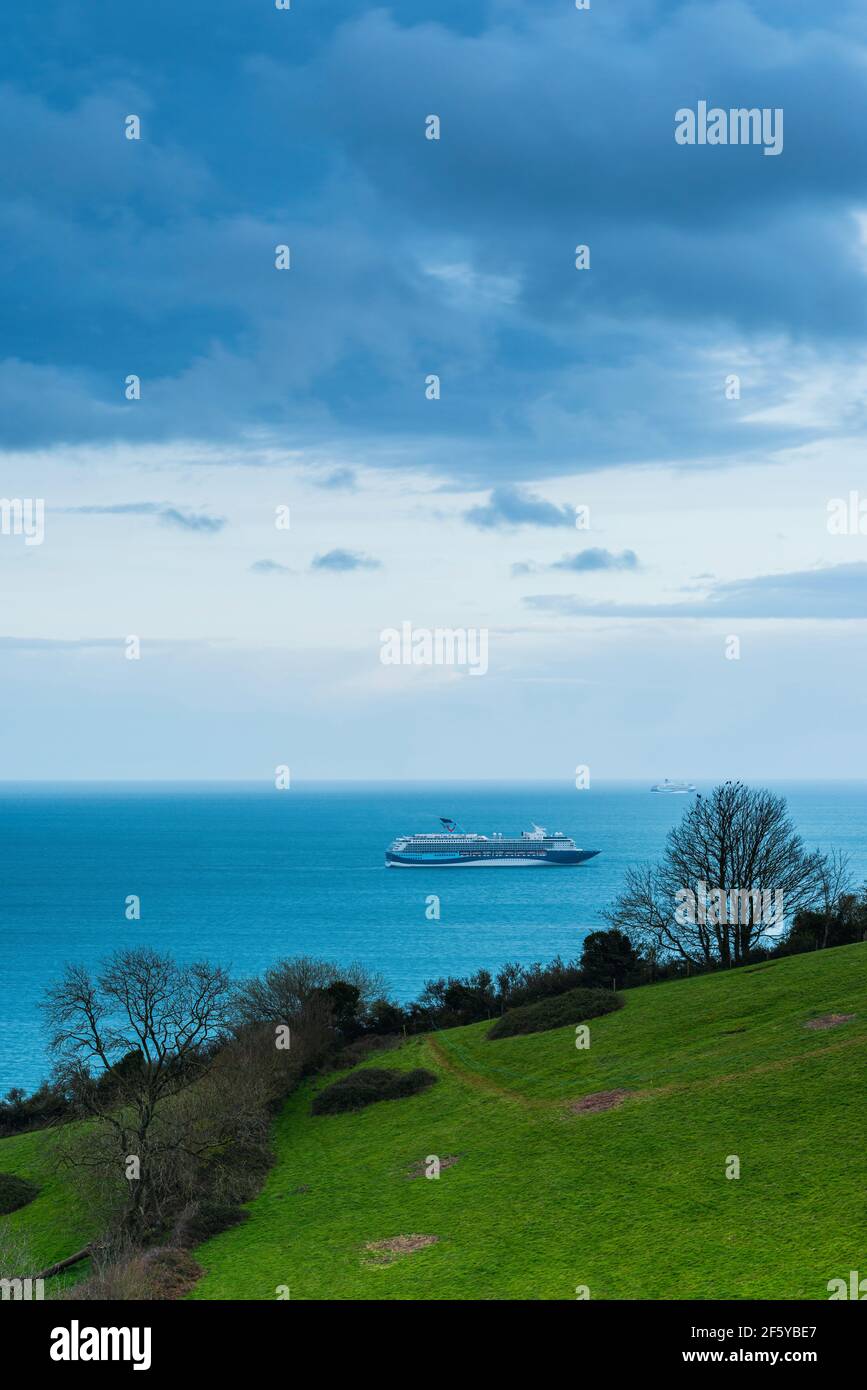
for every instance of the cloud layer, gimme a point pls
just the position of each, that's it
(453, 257)
(840, 591)
(181, 518)
(590, 561)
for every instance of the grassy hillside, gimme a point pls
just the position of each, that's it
(53, 1225)
(633, 1201)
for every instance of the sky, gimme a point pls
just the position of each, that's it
(641, 479)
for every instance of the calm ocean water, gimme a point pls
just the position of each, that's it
(246, 875)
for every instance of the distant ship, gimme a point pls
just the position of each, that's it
(451, 848)
(675, 788)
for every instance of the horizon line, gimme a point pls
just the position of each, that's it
(268, 783)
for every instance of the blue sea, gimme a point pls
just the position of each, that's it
(245, 875)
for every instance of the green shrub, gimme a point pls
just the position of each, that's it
(557, 1012)
(368, 1085)
(15, 1192)
(20, 1112)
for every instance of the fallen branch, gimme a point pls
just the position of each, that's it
(63, 1264)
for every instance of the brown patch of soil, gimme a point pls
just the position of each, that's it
(419, 1170)
(829, 1021)
(385, 1252)
(599, 1100)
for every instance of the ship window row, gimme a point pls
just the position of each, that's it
(456, 840)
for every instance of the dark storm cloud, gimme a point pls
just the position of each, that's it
(412, 257)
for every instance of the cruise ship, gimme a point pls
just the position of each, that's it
(450, 848)
(673, 788)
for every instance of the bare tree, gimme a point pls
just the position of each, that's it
(293, 988)
(732, 871)
(127, 1044)
(16, 1253)
(835, 879)
(836, 898)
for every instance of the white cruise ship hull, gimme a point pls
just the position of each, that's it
(452, 849)
(488, 859)
(395, 862)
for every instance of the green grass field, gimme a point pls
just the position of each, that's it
(632, 1202)
(53, 1225)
